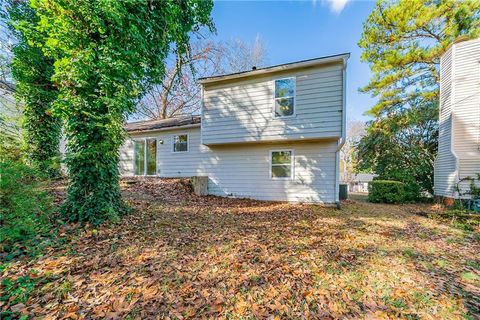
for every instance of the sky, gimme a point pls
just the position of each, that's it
(299, 30)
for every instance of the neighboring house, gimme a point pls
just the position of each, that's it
(459, 136)
(270, 134)
(357, 182)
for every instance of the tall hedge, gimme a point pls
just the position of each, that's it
(107, 54)
(386, 191)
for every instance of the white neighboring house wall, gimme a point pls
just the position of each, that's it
(459, 136)
(239, 131)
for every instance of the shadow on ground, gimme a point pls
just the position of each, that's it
(181, 256)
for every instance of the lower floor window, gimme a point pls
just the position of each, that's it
(145, 156)
(281, 162)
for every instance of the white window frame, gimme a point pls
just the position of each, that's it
(274, 115)
(173, 142)
(292, 164)
(145, 157)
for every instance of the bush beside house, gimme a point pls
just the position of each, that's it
(387, 191)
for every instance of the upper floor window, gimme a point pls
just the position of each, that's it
(180, 143)
(145, 156)
(285, 97)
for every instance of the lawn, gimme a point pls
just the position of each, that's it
(179, 256)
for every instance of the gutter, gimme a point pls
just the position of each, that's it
(342, 140)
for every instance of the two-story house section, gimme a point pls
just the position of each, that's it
(459, 135)
(269, 134)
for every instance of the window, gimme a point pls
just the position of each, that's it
(145, 156)
(180, 143)
(284, 97)
(281, 162)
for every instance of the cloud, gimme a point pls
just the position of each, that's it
(337, 6)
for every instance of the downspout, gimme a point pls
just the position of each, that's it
(342, 140)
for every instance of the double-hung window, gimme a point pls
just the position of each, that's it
(180, 143)
(145, 155)
(282, 164)
(284, 98)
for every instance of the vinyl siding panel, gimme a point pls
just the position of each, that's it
(243, 170)
(445, 174)
(459, 117)
(242, 111)
(466, 129)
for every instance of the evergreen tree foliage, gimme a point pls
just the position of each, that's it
(32, 72)
(403, 41)
(107, 53)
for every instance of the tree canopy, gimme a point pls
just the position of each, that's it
(403, 41)
(180, 93)
(106, 55)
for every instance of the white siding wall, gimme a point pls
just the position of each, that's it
(445, 174)
(243, 111)
(466, 130)
(243, 170)
(459, 117)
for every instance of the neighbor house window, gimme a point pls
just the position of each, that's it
(281, 162)
(145, 156)
(284, 97)
(180, 143)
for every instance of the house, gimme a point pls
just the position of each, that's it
(459, 136)
(357, 182)
(269, 134)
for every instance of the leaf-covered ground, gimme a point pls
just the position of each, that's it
(179, 256)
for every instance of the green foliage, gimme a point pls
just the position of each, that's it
(16, 291)
(24, 206)
(386, 191)
(402, 147)
(403, 41)
(32, 71)
(106, 55)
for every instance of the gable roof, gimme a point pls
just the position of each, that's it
(280, 67)
(163, 124)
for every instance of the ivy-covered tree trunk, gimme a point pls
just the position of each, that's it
(107, 54)
(33, 71)
(94, 137)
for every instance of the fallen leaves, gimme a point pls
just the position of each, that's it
(179, 256)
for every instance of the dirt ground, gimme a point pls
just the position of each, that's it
(179, 256)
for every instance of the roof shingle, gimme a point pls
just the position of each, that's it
(152, 125)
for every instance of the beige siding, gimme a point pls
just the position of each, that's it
(459, 118)
(243, 170)
(243, 111)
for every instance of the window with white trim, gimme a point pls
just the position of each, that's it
(284, 97)
(180, 143)
(145, 156)
(281, 164)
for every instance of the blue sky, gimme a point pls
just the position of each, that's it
(298, 30)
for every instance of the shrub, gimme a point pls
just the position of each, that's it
(24, 205)
(386, 191)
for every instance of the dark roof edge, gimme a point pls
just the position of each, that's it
(279, 67)
(184, 126)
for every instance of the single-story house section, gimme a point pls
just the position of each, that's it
(269, 134)
(357, 182)
(459, 133)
